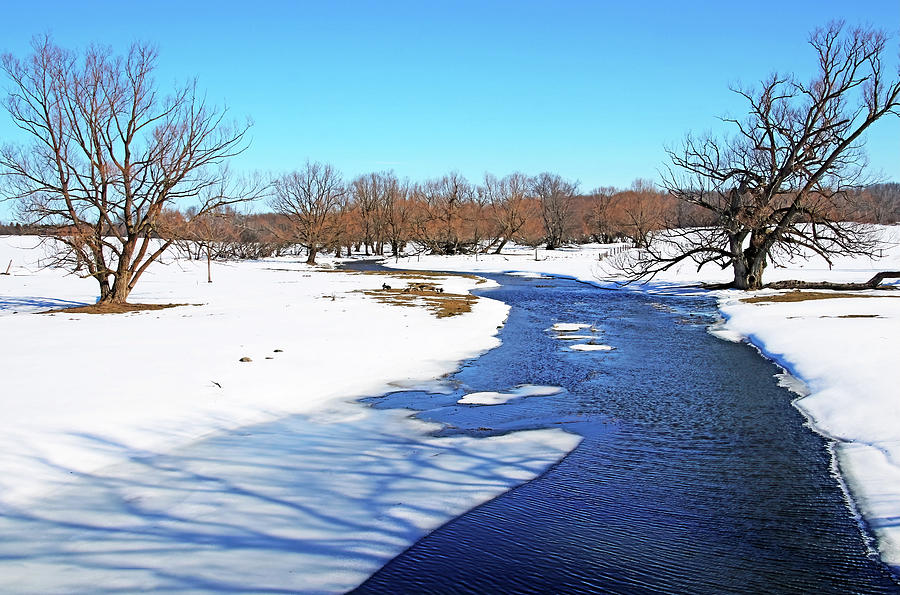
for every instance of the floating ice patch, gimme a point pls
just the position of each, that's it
(722, 331)
(590, 347)
(496, 398)
(528, 275)
(793, 384)
(568, 327)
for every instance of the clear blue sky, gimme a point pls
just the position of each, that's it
(591, 90)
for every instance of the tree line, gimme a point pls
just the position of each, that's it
(379, 214)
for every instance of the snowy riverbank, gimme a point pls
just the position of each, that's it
(843, 349)
(99, 487)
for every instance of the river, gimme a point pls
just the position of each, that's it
(696, 474)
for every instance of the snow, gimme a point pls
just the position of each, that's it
(308, 506)
(104, 481)
(120, 466)
(497, 398)
(590, 347)
(840, 352)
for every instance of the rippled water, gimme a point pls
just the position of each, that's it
(696, 475)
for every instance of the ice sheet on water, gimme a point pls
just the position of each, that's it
(498, 398)
(590, 347)
(722, 331)
(793, 384)
(528, 275)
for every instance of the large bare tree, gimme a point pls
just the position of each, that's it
(512, 208)
(775, 186)
(397, 211)
(443, 199)
(556, 195)
(310, 199)
(367, 192)
(107, 153)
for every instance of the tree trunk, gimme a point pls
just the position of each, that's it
(208, 265)
(105, 290)
(748, 270)
(500, 247)
(312, 256)
(118, 292)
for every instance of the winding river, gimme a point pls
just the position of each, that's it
(695, 475)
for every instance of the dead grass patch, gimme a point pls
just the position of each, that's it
(424, 295)
(113, 308)
(802, 296)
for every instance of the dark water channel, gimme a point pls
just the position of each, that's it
(695, 475)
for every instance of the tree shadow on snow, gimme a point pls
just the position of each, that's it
(277, 508)
(15, 303)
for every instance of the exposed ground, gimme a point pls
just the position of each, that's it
(424, 294)
(113, 308)
(803, 296)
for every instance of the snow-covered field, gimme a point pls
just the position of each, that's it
(104, 485)
(118, 467)
(845, 350)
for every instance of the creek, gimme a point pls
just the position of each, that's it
(695, 475)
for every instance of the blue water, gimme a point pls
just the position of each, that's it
(695, 475)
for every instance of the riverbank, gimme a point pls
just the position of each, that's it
(842, 349)
(98, 408)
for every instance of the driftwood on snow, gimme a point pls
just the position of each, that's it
(872, 283)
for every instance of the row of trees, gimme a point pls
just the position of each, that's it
(111, 158)
(380, 214)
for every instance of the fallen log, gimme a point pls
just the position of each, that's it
(872, 283)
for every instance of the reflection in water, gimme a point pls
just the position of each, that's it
(695, 475)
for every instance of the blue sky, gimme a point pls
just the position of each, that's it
(591, 90)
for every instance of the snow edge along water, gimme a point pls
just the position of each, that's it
(872, 501)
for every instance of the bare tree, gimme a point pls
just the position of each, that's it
(366, 191)
(640, 211)
(397, 213)
(556, 195)
(511, 205)
(443, 198)
(774, 185)
(210, 232)
(479, 225)
(600, 217)
(108, 153)
(310, 199)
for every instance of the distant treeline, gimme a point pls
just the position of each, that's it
(381, 215)
(17, 229)
(378, 214)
